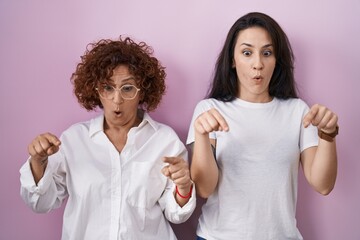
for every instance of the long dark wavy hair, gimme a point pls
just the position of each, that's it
(102, 57)
(225, 84)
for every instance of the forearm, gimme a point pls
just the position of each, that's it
(204, 170)
(324, 167)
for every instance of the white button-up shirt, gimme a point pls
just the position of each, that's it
(111, 195)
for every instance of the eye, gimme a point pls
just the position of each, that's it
(246, 53)
(267, 53)
(108, 88)
(128, 88)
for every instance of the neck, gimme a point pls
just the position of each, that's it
(118, 134)
(123, 128)
(257, 99)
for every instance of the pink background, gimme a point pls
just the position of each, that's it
(41, 42)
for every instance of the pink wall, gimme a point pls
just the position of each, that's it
(40, 44)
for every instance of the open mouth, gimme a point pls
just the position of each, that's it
(117, 113)
(257, 77)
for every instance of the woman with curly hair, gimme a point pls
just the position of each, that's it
(123, 174)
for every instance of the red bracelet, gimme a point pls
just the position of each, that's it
(187, 195)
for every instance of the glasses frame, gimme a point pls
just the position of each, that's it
(119, 90)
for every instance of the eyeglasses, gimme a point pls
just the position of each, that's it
(127, 91)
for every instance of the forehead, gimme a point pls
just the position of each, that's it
(122, 74)
(121, 70)
(254, 35)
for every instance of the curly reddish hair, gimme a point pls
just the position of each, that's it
(102, 57)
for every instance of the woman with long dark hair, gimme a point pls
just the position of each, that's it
(250, 135)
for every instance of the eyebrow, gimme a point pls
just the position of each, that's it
(265, 46)
(127, 79)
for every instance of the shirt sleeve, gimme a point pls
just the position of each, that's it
(172, 211)
(50, 191)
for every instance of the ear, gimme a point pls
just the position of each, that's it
(233, 63)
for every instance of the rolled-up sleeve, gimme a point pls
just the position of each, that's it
(50, 191)
(173, 211)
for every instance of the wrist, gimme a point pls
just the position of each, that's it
(184, 193)
(328, 136)
(38, 163)
(201, 134)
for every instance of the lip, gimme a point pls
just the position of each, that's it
(117, 112)
(257, 77)
(117, 115)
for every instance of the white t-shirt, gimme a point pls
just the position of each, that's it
(111, 195)
(258, 160)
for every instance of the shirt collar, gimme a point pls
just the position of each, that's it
(148, 119)
(97, 124)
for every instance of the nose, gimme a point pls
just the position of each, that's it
(258, 63)
(117, 97)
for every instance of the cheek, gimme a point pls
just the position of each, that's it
(103, 103)
(272, 62)
(241, 68)
(241, 62)
(107, 105)
(269, 65)
(271, 68)
(133, 104)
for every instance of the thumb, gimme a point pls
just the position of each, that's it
(310, 116)
(53, 149)
(165, 171)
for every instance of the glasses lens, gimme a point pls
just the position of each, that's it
(107, 91)
(128, 91)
